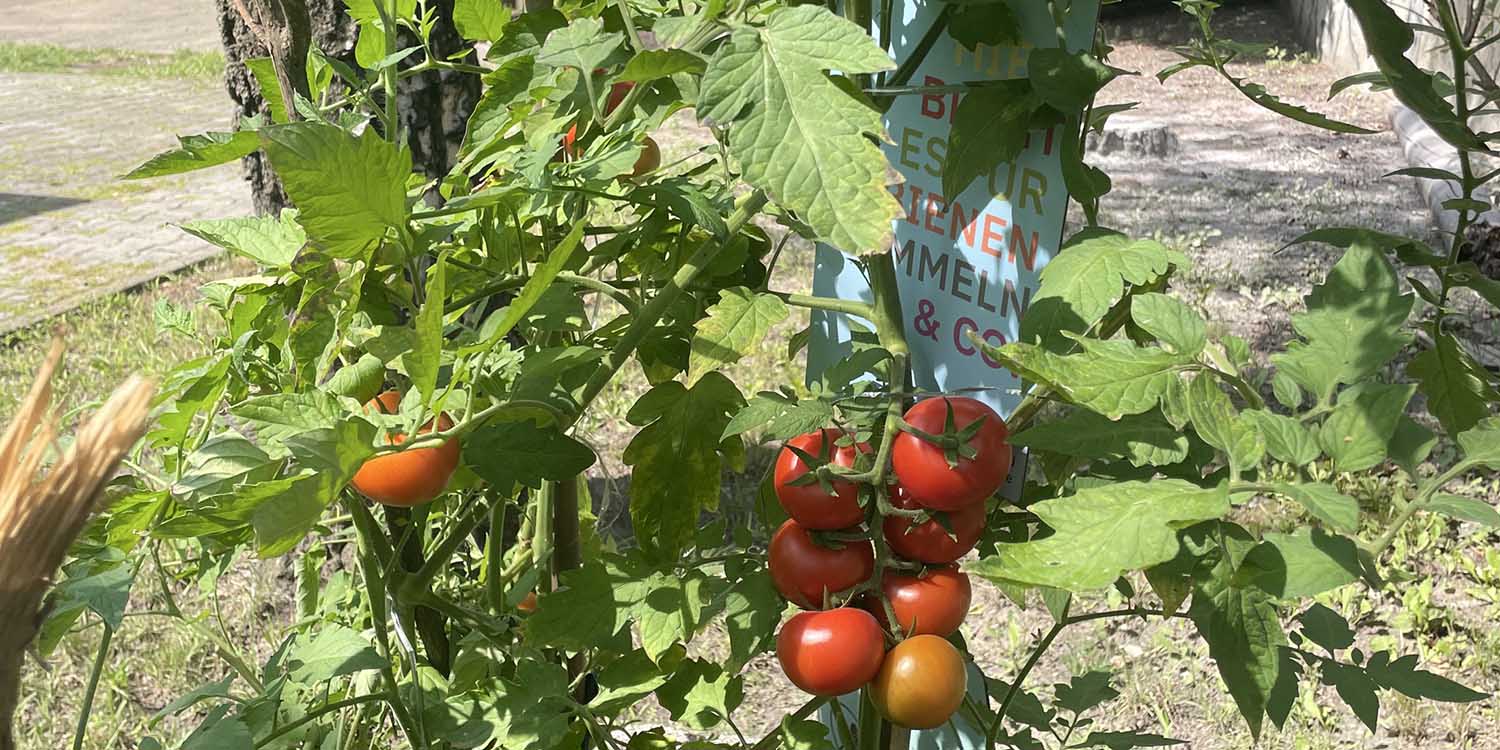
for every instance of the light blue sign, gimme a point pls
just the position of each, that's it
(970, 266)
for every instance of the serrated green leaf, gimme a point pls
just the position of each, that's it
(206, 691)
(105, 593)
(286, 509)
(223, 462)
(333, 651)
(198, 152)
(582, 44)
(1127, 740)
(1407, 250)
(480, 20)
(1084, 692)
(1301, 564)
(796, 135)
(804, 734)
(675, 461)
(278, 416)
(1403, 676)
(1358, 432)
(1104, 531)
(1143, 439)
(1330, 506)
(1089, 275)
(1216, 421)
(989, 129)
(1352, 325)
(525, 453)
(735, 325)
(542, 275)
(1258, 94)
(701, 693)
(1176, 325)
(1390, 38)
(1066, 80)
(1326, 628)
(263, 71)
(268, 241)
(626, 681)
(1481, 444)
(426, 356)
(1464, 509)
(219, 733)
(1457, 388)
(1113, 378)
(1286, 438)
(1245, 640)
(752, 608)
(349, 190)
(651, 64)
(1356, 689)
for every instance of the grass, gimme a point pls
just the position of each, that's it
(20, 57)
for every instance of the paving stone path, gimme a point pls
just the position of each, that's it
(69, 228)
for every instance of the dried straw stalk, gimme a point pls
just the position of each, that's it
(43, 509)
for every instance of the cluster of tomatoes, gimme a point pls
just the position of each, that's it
(949, 458)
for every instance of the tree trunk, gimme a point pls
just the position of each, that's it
(434, 105)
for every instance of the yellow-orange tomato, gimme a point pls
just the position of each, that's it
(920, 683)
(409, 477)
(649, 159)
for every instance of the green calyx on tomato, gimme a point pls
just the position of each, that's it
(938, 540)
(806, 572)
(832, 652)
(806, 494)
(952, 452)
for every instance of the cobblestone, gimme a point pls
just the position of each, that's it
(69, 228)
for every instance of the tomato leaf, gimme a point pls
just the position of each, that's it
(196, 152)
(1351, 327)
(582, 44)
(224, 462)
(989, 128)
(1174, 324)
(423, 361)
(1457, 388)
(1087, 277)
(271, 242)
(797, 135)
(333, 651)
(349, 190)
(1067, 81)
(523, 452)
(701, 693)
(675, 460)
(1299, 565)
(1143, 439)
(480, 20)
(1358, 432)
(734, 327)
(1286, 438)
(651, 64)
(1464, 509)
(1481, 444)
(1216, 421)
(1330, 506)
(1104, 531)
(1245, 640)
(542, 276)
(752, 610)
(1113, 378)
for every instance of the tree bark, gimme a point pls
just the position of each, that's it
(434, 106)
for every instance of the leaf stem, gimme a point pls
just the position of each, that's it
(1420, 502)
(830, 304)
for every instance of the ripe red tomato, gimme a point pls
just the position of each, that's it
(832, 652)
(920, 683)
(803, 570)
(617, 94)
(809, 504)
(649, 159)
(933, 603)
(923, 466)
(409, 477)
(928, 541)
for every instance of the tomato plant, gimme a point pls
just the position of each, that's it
(506, 295)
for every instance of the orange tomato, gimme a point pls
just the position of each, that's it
(920, 683)
(409, 477)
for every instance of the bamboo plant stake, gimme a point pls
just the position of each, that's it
(43, 509)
